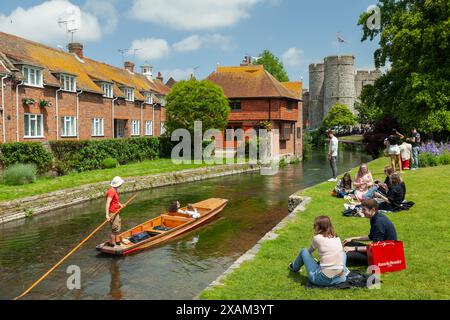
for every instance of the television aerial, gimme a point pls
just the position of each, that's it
(70, 25)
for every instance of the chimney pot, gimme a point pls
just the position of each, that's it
(128, 65)
(160, 77)
(76, 48)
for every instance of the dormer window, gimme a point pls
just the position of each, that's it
(107, 90)
(148, 98)
(68, 83)
(129, 94)
(33, 76)
(163, 100)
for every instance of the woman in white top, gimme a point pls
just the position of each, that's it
(331, 270)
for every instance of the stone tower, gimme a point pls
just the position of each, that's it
(363, 78)
(316, 94)
(339, 84)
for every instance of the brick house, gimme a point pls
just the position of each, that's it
(256, 96)
(48, 94)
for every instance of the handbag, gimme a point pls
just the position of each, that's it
(388, 256)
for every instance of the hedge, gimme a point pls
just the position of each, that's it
(89, 154)
(25, 152)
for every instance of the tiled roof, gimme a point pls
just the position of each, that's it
(250, 82)
(294, 87)
(19, 50)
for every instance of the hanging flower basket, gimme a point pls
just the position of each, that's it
(29, 101)
(44, 103)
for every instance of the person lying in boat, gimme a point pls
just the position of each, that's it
(113, 205)
(191, 211)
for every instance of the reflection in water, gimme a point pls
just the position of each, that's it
(177, 270)
(115, 285)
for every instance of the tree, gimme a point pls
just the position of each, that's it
(368, 111)
(273, 65)
(194, 100)
(339, 116)
(415, 42)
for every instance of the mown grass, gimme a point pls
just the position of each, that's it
(45, 184)
(424, 230)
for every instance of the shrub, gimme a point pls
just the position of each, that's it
(19, 174)
(89, 155)
(25, 152)
(307, 145)
(444, 159)
(110, 163)
(282, 163)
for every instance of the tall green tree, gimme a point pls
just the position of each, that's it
(273, 65)
(368, 111)
(414, 39)
(194, 100)
(339, 116)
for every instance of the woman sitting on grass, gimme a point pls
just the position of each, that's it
(344, 186)
(331, 270)
(395, 195)
(363, 182)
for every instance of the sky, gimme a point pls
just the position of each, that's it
(184, 37)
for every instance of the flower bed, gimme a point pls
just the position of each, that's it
(434, 154)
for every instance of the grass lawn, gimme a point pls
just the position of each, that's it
(44, 185)
(356, 138)
(424, 230)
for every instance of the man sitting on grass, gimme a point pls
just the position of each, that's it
(381, 229)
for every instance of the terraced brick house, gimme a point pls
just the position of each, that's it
(256, 97)
(49, 94)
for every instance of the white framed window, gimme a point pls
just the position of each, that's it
(148, 98)
(68, 83)
(97, 127)
(163, 100)
(34, 125)
(135, 128)
(33, 76)
(107, 90)
(129, 94)
(68, 127)
(163, 128)
(148, 128)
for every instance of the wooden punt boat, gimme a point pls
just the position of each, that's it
(164, 228)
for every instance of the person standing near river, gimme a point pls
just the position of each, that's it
(332, 154)
(113, 205)
(415, 141)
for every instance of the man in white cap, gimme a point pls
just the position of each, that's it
(113, 205)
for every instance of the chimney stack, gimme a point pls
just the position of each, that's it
(160, 77)
(128, 65)
(76, 48)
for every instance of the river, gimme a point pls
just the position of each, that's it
(177, 270)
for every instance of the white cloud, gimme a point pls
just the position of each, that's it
(192, 14)
(196, 42)
(150, 48)
(178, 74)
(40, 23)
(292, 57)
(191, 43)
(105, 11)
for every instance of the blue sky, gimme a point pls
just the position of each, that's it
(178, 36)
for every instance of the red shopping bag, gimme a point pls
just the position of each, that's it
(389, 256)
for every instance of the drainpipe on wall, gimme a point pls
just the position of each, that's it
(112, 115)
(57, 113)
(142, 119)
(153, 120)
(3, 108)
(78, 113)
(17, 109)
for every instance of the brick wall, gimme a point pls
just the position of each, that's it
(90, 106)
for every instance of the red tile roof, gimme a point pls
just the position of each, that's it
(250, 82)
(87, 71)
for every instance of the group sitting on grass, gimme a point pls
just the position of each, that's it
(331, 270)
(389, 194)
